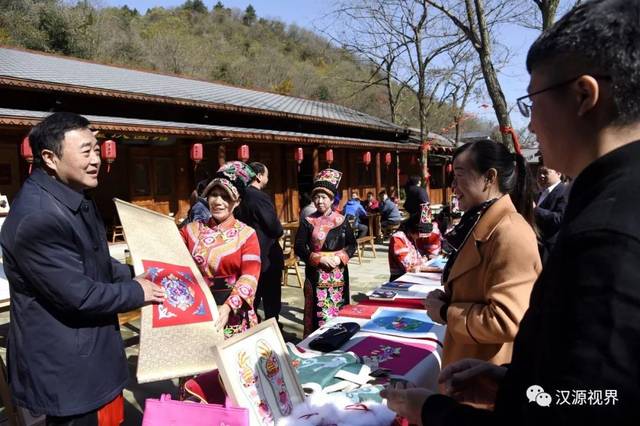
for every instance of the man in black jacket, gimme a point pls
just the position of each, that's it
(575, 357)
(65, 354)
(549, 209)
(415, 195)
(257, 211)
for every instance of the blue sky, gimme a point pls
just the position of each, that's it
(513, 78)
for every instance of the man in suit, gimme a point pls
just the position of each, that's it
(575, 356)
(65, 354)
(549, 208)
(257, 210)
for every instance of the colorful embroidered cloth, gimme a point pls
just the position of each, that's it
(399, 357)
(358, 311)
(317, 372)
(185, 302)
(228, 255)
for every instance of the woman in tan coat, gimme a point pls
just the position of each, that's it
(494, 257)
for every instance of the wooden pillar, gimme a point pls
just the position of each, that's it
(378, 174)
(315, 155)
(398, 173)
(222, 154)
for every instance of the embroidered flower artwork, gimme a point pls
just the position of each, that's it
(329, 175)
(185, 302)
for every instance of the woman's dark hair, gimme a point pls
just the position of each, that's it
(306, 199)
(513, 174)
(49, 133)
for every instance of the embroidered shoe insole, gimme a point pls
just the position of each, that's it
(253, 390)
(270, 366)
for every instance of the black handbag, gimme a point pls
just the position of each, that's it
(334, 337)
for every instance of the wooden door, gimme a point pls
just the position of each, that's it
(153, 180)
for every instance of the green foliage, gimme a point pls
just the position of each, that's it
(249, 17)
(196, 6)
(230, 46)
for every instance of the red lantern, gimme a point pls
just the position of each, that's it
(298, 155)
(449, 168)
(243, 153)
(329, 156)
(26, 153)
(196, 153)
(387, 159)
(108, 153)
(366, 158)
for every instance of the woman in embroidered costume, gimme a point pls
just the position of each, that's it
(325, 242)
(412, 246)
(226, 250)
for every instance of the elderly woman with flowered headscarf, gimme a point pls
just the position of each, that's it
(226, 250)
(325, 242)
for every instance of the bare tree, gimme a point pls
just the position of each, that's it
(404, 40)
(477, 20)
(351, 27)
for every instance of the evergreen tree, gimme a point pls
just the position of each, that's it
(249, 16)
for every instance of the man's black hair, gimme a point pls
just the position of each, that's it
(49, 133)
(602, 36)
(259, 168)
(413, 180)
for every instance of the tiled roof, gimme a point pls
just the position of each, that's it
(45, 68)
(7, 114)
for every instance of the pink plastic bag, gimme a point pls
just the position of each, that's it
(166, 412)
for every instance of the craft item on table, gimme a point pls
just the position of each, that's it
(361, 379)
(438, 262)
(334, 337)
(422, 278)
(170, 346)
(185, 302)
(258, 374)
(317, 372)
(164, 411)
(398, 357)
(324, 410)
(396, 286)
(358, 311)
(253, 389)
(270, 367)
(381, 294)
(400, 322)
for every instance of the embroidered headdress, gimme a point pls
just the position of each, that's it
(327, 180)
(233, 177)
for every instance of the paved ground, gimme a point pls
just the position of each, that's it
(364, 277)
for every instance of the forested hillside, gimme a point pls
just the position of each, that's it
(221, 44)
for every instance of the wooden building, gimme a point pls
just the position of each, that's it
(155, 119)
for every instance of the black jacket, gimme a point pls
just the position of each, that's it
(582, 329)
(548, 216)
(414, 196)
(257, 211)
(65, 354)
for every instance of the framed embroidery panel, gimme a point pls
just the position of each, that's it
(175, 337)
(257, 373)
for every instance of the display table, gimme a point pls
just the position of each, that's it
(423, 373)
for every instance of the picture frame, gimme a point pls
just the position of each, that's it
(257, 373)
(179, 349)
